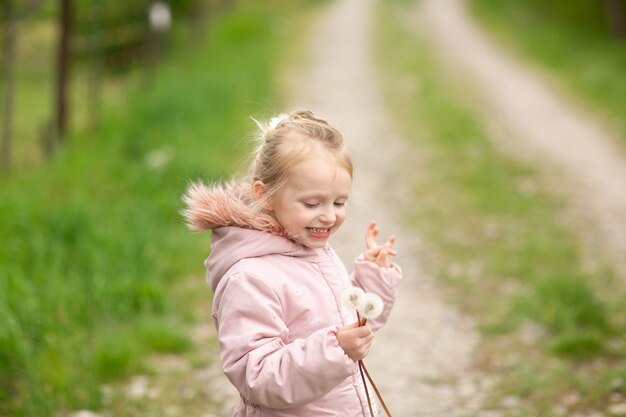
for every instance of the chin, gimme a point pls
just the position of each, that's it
(312, 243)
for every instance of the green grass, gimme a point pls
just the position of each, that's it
(551, 323)
(572, 41)
(32, 91)
(93, 247)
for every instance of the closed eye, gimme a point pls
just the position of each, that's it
(310, 205)
(340, 203)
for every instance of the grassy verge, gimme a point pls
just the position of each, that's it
(552, 325)
(32, 91)
(93, 248)
(571, 40)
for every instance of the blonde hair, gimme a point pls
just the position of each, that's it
(287, 140)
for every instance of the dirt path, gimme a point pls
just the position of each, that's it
(421, 358)
(528, 117)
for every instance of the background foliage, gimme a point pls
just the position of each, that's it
(574, 41)
(93, 248)
(503, 243)
(94, 252)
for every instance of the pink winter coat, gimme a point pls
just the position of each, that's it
(277, 306)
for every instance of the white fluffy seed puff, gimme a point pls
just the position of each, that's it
(369, 305)
(352, 297)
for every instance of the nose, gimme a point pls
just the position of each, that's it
(329, 215)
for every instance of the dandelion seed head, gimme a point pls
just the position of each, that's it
(352, 297)
(370, 306)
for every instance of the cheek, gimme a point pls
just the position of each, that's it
(341, 216)
(293, 219)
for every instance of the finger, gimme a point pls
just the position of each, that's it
(371, 233)
(367, 344)
(382, 258)
(356, 329)
(373, 252)
(362, 332)
(361, 340)
(351, 326)
(389, 243)
(362, 353)
(371, 227)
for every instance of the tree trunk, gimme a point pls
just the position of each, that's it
(94, 90)
(63, 68)
(200, 18)
(616, 15)
(225, 5)
(7, 62)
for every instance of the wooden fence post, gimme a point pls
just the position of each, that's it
(94, 87)
(616, 15)
(63, 69)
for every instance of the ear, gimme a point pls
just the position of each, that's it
(259, 191)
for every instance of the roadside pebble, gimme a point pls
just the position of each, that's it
(138, 387)
(617, 409)
(84, 413)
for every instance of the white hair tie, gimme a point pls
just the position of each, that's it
(272, 125)
(275, 121)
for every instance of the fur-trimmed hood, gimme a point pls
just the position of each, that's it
(221, 205)
(239, 230)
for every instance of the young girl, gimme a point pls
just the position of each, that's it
(287, 343)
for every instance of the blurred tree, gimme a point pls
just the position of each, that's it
(107, 35)
(61, 111)
(7, 60)
(224, 5)
(587, 15)
(10, 12)
(200, 13)
(94, 87)
(616, 15)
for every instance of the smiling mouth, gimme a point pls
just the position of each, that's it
(319, 231)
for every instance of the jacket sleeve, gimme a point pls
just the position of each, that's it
(383, 281)
(257, 356)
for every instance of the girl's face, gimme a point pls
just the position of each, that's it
(312, 205)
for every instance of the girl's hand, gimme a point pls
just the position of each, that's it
(355, 340)
(376, 253)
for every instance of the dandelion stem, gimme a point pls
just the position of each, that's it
(380, 397)
(362, 369)
(360, 320)
(367, 394)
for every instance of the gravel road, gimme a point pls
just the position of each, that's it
(421, 358)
